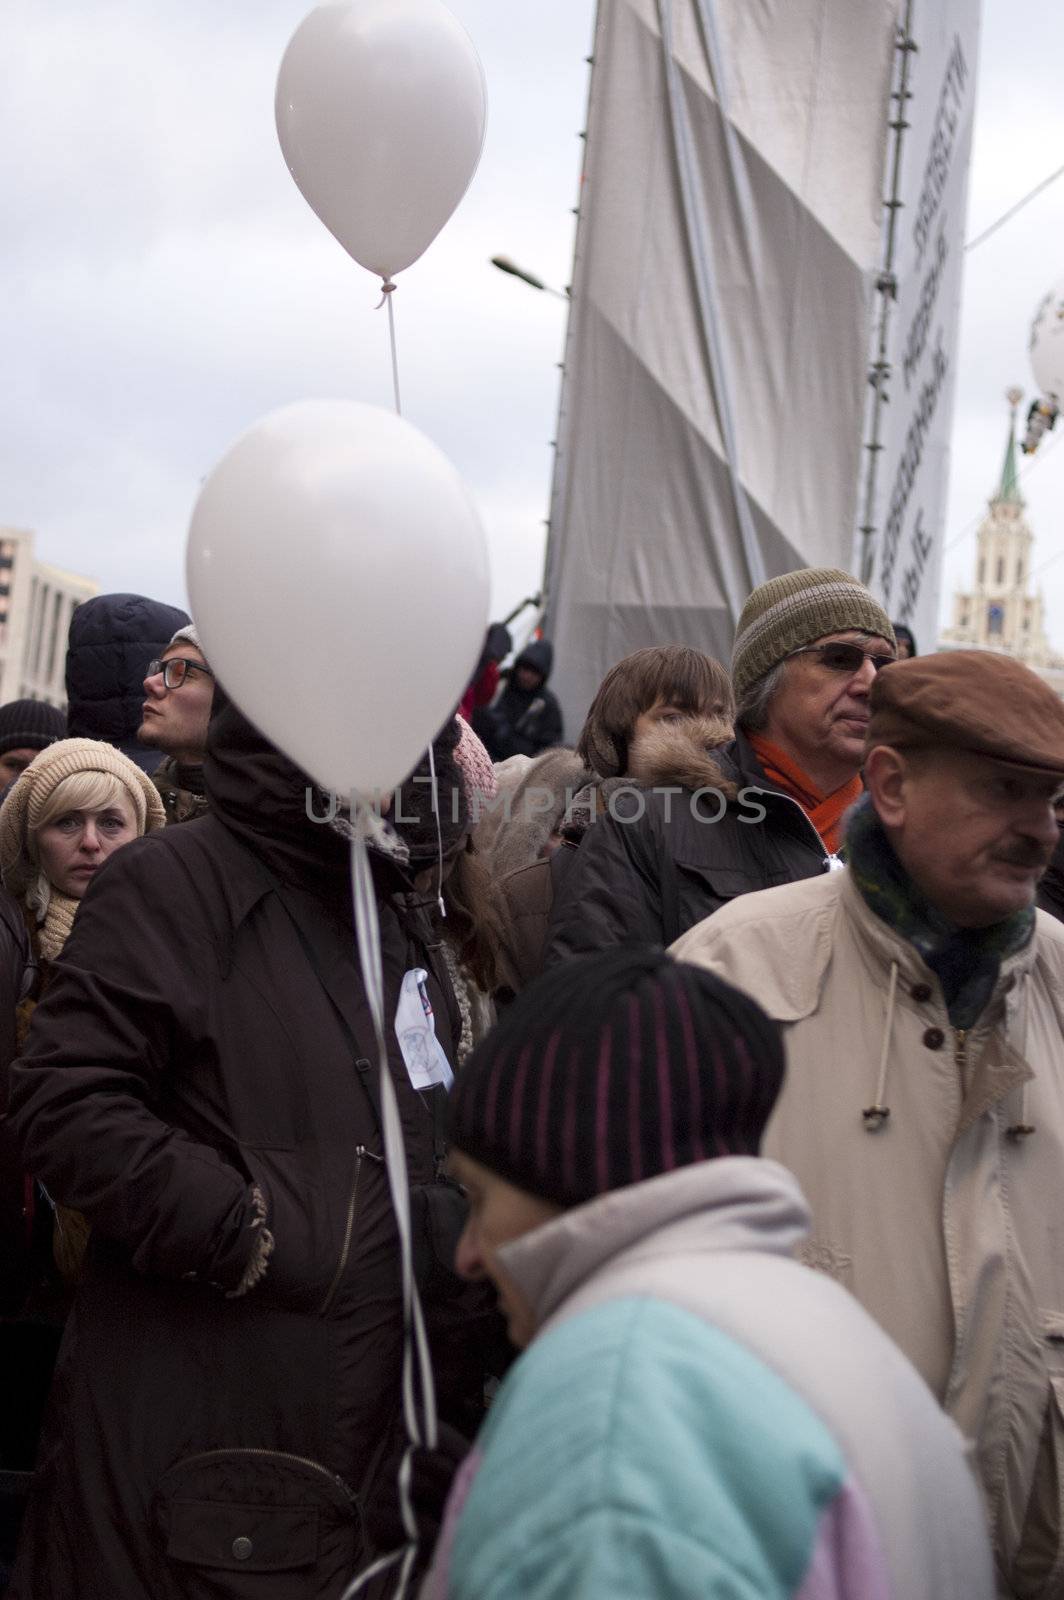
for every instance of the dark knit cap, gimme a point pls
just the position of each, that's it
(615, 1068)
(30, 725)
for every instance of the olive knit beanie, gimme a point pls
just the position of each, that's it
(797, 609)
(27, 796)
(615, 1068)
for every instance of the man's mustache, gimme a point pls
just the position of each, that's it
(1025, 856)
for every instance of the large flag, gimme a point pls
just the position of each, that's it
(717, 421)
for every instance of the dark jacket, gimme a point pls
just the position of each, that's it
(181, 790)
(112, 639)
(1051, 888)
(662, 861)
(522, 722)
(185, 1056)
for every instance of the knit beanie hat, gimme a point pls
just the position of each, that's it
(615, 1068)
(188, 635)
(801, 607)
(29, 725)
(25, 802)
(478, 771)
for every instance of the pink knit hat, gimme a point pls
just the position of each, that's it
(477, 770)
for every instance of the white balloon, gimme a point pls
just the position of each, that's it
(380, 112)
(338, 574)
(1047, 345)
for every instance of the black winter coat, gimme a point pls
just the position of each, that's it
(522, 722)
(661, 861)
(112, 639)
(186, 1053)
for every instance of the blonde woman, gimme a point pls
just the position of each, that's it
(75, 804)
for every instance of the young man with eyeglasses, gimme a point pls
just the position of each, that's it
(179, 687)
(807, 649)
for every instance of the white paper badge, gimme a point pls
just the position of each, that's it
(415, 1028)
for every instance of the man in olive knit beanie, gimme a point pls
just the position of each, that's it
(807, 648)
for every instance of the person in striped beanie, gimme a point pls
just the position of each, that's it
(694, 1413)
(807, 648)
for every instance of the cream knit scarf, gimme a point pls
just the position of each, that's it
(58, 921)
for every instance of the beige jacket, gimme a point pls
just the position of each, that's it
(943, 1218)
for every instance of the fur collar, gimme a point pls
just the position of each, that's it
(681, 753)
(668, 756)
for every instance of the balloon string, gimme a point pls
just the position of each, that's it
(418, 1389)
(439, 832)
(388, 288)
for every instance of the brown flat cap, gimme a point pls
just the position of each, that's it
(969, 700)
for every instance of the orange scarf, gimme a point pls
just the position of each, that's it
(825, 811)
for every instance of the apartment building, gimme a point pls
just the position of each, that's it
(37, 601)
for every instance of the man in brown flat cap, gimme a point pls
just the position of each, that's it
(923, 1113)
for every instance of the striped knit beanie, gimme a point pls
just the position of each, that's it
(615, 1068)
(29, 725)
(801, 607)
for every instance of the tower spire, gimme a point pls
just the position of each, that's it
(1009, 491)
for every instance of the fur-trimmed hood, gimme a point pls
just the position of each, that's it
(668, 756)
(516, 832)
(681, 753)
(557, 789)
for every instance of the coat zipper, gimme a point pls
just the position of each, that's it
(276, 1455)
(821, 847)
(352, 1206)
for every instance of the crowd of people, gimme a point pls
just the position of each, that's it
(728, 1050)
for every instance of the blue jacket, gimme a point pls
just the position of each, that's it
(700, 1416)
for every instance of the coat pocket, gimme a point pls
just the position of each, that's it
(1038, 1571)
(238, 1523)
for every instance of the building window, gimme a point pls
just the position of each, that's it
(53, 635)
(995, 619)
(1019, 571)
(982, 571)
(964, 619)
(6, 563)
(1001, 569)
(1026, 623)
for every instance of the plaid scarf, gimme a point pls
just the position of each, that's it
(966, 961)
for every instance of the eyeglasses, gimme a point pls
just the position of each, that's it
(176, 670)
(843, 657)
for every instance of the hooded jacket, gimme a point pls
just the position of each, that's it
(663, 859)
(697, 1415)
(943, 1221)
(522, 721)
(196, 1084)
(112, 639)
(677, 754)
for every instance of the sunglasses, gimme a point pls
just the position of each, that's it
(176, 670)
(842, 657)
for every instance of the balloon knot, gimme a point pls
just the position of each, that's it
(387, 288)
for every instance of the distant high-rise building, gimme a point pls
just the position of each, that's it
(1000, 613)
(37, 602)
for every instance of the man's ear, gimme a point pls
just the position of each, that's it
(885, 773)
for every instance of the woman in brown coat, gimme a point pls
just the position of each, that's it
(199, 1081)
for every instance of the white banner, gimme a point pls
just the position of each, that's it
(900, 542)
(713, 404)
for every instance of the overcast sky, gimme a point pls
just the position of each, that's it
(167, 284)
